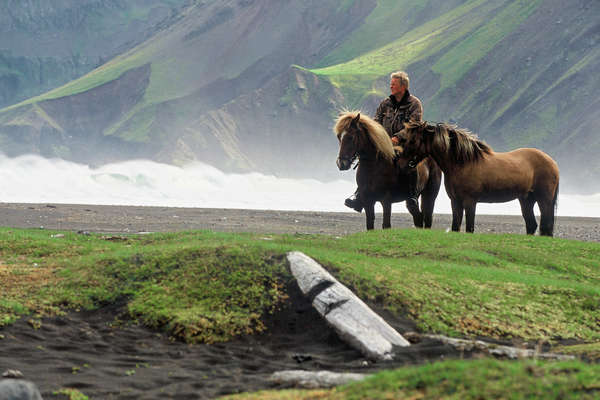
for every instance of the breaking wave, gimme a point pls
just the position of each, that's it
(33, 179)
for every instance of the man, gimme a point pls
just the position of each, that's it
(392, 113)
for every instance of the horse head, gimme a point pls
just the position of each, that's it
(416, 140)
(361, 137)
(350, 143)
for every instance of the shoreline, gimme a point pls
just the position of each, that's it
(144, 219)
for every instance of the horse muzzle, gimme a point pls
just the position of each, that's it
(343, 163)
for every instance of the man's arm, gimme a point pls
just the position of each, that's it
(379, 114)
(415, 110)
(415, 113)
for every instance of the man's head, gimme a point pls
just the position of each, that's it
(398, 84)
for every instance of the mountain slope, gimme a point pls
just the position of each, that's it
(44, 44)
(519, 73)
(216, 53)
(255, 84)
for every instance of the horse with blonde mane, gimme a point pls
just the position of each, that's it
(474, 173)
(378, 176)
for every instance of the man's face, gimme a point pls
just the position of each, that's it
(396, 88)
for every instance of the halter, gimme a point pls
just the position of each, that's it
(351, 159)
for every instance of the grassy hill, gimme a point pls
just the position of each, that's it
(509, 286)
(518, 73)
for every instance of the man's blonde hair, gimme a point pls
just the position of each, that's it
(402, 77)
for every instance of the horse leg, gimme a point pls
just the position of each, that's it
(428, 197)
(546, 218)
(427, 210)
(429, 194)
(370, 214)
(470, 217)
(527, 204)
(387, 214)
(457, 214)
(416, 213)
(547, 209)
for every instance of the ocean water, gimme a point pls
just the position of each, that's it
(33, 179)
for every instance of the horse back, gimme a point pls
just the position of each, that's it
(499, 177)
(540, 164)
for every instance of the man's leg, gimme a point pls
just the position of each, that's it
(354, 202)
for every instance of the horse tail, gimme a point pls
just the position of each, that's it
(555, 203)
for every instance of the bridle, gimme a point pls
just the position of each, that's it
(414, 161)
(351, 159)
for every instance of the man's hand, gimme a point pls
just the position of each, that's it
(395, 141)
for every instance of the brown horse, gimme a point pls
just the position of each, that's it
(379, 178)
(474, 173)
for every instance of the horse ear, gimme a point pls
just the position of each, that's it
(356, 119)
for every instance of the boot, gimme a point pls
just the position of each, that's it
(354, 202)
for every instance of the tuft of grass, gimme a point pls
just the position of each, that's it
(70, 394)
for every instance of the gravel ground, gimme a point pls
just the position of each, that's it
(131, 219)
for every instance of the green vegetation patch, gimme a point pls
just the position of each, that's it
(460, 38)
(70, 394)
(379, 28)
(458, 379)
(356, 77)
(206, 286)
(465, 55)
(415, 45)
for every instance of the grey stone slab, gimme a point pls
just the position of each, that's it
(315, 379)
(352, 319)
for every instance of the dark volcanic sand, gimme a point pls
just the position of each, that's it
(87, 351)
(107, 359)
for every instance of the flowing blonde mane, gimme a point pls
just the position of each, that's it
(461, 145)
(377, 133)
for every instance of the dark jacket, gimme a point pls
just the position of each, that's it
(392, 114)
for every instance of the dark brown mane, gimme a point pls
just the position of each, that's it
(463, 145)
